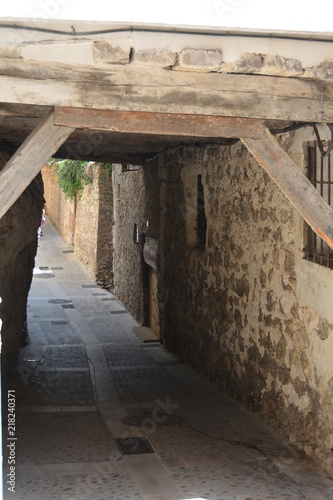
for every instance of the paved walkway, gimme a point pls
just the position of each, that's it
(86, 380)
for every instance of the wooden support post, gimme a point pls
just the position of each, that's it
(294, 184)
(170, 124)
(29, 159)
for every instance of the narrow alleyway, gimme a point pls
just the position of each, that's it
(87, 379)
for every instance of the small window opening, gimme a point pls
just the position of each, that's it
(320, 174)
(201, 214)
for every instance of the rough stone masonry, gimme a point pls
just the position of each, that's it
(18, 246)
(235, 308)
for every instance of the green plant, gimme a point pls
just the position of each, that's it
(72, 176)
(108, 171)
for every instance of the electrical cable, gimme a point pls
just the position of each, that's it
(171, 30)
(295, 126)
(324, 153)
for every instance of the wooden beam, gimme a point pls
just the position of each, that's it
(294, 184)
(170, 124)
(151, 89)
(29, 159)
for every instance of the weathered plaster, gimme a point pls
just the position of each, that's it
(314, 288)
(281, 54)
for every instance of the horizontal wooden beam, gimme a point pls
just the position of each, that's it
(29, 159)
(170, 124)
(151, 89)
(294, 184)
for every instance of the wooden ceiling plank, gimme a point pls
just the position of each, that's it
(293, 183)
(170, 124)
(250, 97)
(152, 77)
(29, 159)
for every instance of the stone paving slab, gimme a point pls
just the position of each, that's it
(86, 379)
(92, 485)
(58, 332)
(127, 355)
(64, 356)
(94, 307)
(107, 331)
(47, 311)
(39, 289)
(243, 481)
(58, 436)
(54, 388)
(148, 384)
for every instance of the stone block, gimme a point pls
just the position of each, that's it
(10, 51)
(264, 64)
(200, 59)
(105, 52)
(155, 57)
(324, 70)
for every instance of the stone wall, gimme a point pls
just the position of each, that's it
(58, 208)
(87, 224)
(129, 208)
(18, 246)
(245, 309)
(105, 249)
(234, 312)
(137, 201)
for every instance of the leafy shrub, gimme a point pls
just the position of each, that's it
(73, 176)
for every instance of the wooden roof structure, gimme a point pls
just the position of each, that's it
(113, 92)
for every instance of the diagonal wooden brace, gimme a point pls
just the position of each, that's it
(294, 184)
(29, 159)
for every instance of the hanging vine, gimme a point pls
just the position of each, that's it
(73, 176)
(108, 167)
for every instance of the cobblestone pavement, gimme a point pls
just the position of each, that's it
(87, 380)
